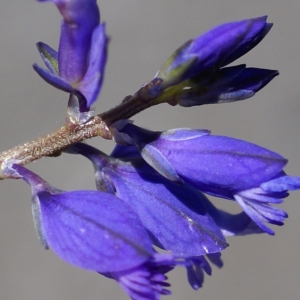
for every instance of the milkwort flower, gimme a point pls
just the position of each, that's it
(195, 74)
(167, 210)
(218, 165)
(78, 66)
(150, 189)
(230, 225)
(178, 217)
(97, 231)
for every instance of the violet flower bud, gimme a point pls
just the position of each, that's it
(194, 74)
(216, 48)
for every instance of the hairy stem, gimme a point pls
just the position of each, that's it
(52, 144)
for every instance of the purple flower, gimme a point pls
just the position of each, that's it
(178, 217)
(220, 166)
(97, 231)
(78, 66)
(194, 74)
(166, 209)
(230, 225)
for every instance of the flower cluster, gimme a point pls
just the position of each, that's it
(150, 213)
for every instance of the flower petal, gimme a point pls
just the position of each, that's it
(91, 83)
(146, 282)
(54, 79)
(93, 230)
(226, 86)
(232, 225)
(80, 17)
(49, 56)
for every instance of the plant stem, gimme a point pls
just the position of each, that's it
(52, 144)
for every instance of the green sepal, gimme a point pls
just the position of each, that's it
(172, 76)
(48, 55)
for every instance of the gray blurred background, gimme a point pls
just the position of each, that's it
(143, 34)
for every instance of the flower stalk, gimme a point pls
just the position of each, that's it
(53, 143)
